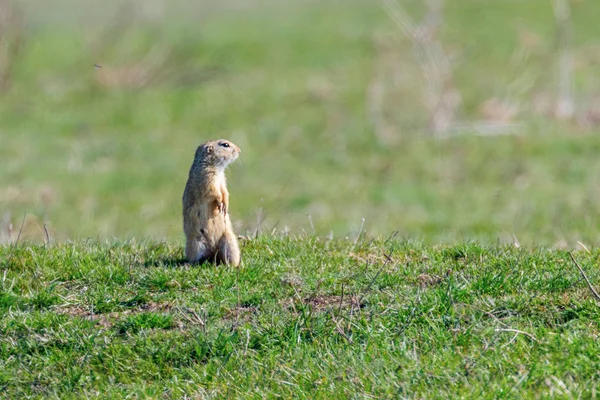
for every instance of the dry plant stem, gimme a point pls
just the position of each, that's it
(596, 295)
(388, 258)
(412, 315)
(375, 101)
(511, 341)
(20, 229)
(259, 221)
(516, 242)
(391, 237)
(340, 329)
(200, 320)
(312, 226)
(120, 23)
(565, 107)
(441, 97)
(11, 31)
(184, 315)
(584, 247)
(351, 315)
(362, 225)
(490, 315)
(47, 234)
(529, 335)
(341, 300)
(14, 246)
(314, 293)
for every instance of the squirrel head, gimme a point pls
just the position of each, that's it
(217, 153)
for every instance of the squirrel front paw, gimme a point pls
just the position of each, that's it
(222, 208)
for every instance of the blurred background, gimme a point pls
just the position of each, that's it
(442, 120)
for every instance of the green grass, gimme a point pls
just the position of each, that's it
(108, 308)
(303, 317)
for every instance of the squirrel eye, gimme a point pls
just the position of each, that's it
(224, 144)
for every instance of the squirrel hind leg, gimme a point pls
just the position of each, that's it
(228, 249)
(196, 250)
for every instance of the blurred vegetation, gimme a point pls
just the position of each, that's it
(331, 103)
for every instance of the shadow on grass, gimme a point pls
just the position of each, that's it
(171, 262)
(177, 262)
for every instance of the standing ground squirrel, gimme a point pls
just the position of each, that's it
(208, 231)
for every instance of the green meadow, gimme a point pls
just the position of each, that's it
(413, 198)
(303, 318)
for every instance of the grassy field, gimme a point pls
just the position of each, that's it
(104, 152)
(303, 318)
(475, 296)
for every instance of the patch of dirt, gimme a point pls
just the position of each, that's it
(368, 258)
(154, 307)
(107, 320)
(292, 280)
(426, 280)
(394, 259)
(243, 313)
(323, 303)
(73, 311)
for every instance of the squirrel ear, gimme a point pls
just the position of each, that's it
(209, 149)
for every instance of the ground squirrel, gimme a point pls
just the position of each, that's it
(208, 231)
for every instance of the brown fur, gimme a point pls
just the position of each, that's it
(206, 223)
